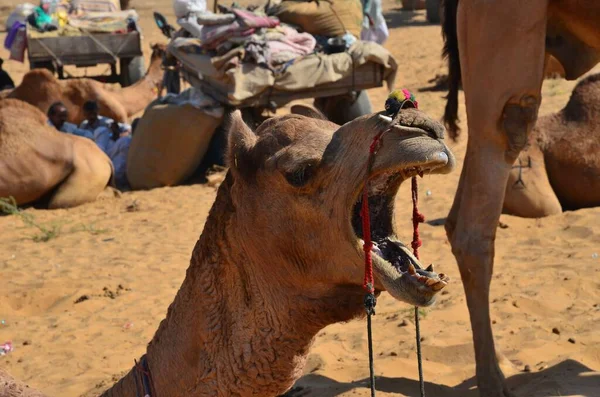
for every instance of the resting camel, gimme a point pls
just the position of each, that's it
(498, 50)
(41, 89)
(267, 274)
(40, 165)
(560, 168)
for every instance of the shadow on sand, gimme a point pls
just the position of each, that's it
(399, 18)
(566, 378)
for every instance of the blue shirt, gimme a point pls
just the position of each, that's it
(102, 136)
(117, 152)
(72, 129)
(101, 122)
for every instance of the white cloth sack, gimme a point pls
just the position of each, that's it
(183, 8)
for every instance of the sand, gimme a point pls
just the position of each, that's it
(128, 257)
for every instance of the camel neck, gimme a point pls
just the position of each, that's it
(137, 96)
(228, 331)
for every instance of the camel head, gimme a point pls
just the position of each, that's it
(158, 51)
(296, 188)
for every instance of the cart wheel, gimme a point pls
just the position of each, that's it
(132, 70)
(43, 65)
(433, 10)
(342, 108)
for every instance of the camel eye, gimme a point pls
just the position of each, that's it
(301, 175)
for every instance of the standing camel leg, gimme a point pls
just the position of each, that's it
(501, 45)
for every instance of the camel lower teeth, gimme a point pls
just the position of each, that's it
(376, 250)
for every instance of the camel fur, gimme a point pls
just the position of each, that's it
(564, 153)
(266, 274)
(499, 50)
(40, 164)
(41, 89)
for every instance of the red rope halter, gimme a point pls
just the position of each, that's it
(416, 218)
(369, 283)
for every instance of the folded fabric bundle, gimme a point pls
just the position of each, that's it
(213, 28)
(257, 51)
(212, 36)
(253, 20)
(210, 18)
(195, 21)
(290, 45)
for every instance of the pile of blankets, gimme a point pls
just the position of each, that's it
(240, 35)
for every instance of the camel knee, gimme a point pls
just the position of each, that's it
(474, 255)
(518, 120)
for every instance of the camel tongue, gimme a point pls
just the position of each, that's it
(396, 253)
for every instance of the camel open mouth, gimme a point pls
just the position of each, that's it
(395, 266)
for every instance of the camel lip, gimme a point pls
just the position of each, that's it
(415, 130)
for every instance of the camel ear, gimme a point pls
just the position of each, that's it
(307, 111)
(240, 142)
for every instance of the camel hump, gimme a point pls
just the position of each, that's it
(37, 76)
(584, 103)
(28, 115)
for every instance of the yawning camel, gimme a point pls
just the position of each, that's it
(498, 49)
(560, 169)
(41, 89)
(281, 257)
(39, 163)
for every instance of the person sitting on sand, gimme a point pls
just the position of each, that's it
(105, 137)
(6, 83)
(57, 118)
(92, 119)
(101, 127)
(117, 150)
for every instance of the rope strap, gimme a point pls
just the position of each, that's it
(418, 217)
(143, 379)
(369, 283)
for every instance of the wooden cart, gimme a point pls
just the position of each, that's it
(90, 49)
(341, 101)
